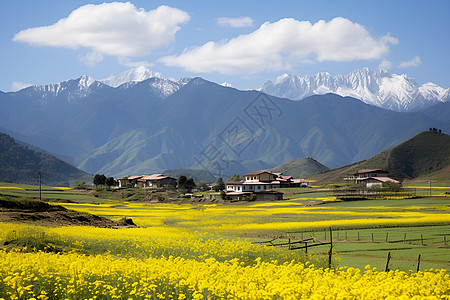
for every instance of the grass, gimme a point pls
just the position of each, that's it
(258, 221)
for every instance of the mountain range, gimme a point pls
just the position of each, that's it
(149, 126)
(382, 89)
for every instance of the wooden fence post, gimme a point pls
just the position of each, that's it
(387, 234)
(358, 236)
(289, 243)
(418, 263)
(404, 237)
(346, 235)
(387, 262)
(331, 249)
(306, 247)
(372, 237)
(421, 238)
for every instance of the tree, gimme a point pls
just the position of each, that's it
(392, 186)
(181, 180)
(185, 184)
(220, 185)
(110, 182)
(99, 180)
(189, 184)
(235, 177)
(80, 185)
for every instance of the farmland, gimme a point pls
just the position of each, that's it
(207, 250)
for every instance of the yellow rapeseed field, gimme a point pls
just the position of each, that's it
(187, 252)
(72, 276)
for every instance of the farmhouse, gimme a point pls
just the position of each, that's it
(261, 182)
(127, 181)
(157, 181)
(371, 178)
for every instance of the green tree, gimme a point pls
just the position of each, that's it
(220, 185)
(99, 180)
(235, 177)
(80, 185)
(110, 182)
(392, 186)
(189, 184)
(181, 180)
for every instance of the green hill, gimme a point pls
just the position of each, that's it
(422, 155)
(21, 164)
(301, 167)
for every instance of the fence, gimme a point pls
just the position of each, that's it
(411, 241)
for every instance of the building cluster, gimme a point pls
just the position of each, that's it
(371, 178)
(260, 185)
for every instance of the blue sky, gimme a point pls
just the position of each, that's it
(243, 43)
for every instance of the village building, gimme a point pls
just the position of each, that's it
(127, 181)
(261, 183)
(371, 178)
(157, 181)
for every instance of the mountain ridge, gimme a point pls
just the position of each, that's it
(120, 131)
(382, 89)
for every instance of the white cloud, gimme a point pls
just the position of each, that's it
(235, 22)
(91, 59)
(17, 86)
(118, 29)
(414, 62)
(282, 45)
(385, 64)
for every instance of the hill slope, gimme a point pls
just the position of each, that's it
(426, 153)
(21, 164)
(301, 167)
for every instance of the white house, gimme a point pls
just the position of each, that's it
(259, 181)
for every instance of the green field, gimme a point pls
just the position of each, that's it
(364, 232)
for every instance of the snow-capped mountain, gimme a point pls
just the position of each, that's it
(161, 86)
(70, 90)
(137, 74)
(382, 89)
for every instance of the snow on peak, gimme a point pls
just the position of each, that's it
(226, 84)
(86, 81)
(395, 92)
(137, 74)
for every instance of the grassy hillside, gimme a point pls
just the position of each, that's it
(301, 167)
(21, 164)
(424, 155)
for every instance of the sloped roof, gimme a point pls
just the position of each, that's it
(372, 171)
(259, 172)
(381, 179)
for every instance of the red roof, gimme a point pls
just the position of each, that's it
(235, 182)
(381, 179)
(372, 171)
(259, 172)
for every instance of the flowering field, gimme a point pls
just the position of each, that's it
(204, 252)
(72, 276)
